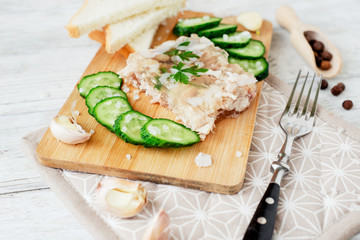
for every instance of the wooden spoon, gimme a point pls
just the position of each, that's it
(288, 19)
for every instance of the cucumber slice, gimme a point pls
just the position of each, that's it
(167, 133)
(259, 67)
(109, 109)
(194, 25)
(128, 127)
(99, 93)
(88, 82)
(253, 50)
(233, 40)
(218, 31)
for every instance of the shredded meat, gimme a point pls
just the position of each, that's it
(224, 89)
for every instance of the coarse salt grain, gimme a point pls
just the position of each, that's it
(136, 97)
(238, 153)
(203, 160)
(126, 89)
(128, 156)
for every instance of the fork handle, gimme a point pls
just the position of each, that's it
(262, 223)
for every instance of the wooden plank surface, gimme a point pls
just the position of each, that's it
(106, 154)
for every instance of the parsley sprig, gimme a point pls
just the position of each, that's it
(186, 43)
(183, 55)
(180, 75)
(158, 84)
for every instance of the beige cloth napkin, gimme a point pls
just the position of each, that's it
(320, 197)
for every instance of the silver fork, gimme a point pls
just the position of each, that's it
(296, 121)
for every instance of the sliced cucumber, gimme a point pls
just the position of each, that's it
(128, 127)
(109, 109)
(218, 31)
(88, 82)
(253, 50)
(167, 133)
(194, 25)
(259, 67)
(99, 93)
(233, 40)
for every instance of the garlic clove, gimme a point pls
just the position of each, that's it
(120, 197)
(68, 131)
(250, 20)
(159, 228)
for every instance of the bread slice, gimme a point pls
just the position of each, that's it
(95, 14)
(144, 40)
(126, 31)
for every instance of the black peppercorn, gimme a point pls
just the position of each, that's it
(336, 90)
(324, 84)
(347, 104)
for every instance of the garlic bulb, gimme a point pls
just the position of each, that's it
(120, 197)
(159, 228)
(68, 131)
(250, 20)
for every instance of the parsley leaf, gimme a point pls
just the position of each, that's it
(163, 70)
(181, 77)
(178, 66)
(186, 43)
(172, 52)
(185, 56)
(194, 70)
(158, 84)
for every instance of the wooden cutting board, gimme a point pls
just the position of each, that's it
(105, 153)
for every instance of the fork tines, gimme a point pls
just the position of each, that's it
(301, 107)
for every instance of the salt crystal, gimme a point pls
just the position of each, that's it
(128, 156)
(136, 97)
(238, 153)
(125, 88)
(203, 160)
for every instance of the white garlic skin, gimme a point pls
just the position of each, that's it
(68, 131)
(121, 198)
(159, 228)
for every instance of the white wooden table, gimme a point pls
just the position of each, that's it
(40, 64)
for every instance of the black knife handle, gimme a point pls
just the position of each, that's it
(262, 224)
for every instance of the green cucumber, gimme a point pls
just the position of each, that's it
(259, 67)
(99, 93)
(253, 50)
(128, 127)
(194, 25)
(167, 133)
(109, 109)
(88, 82)
(233, 40)
(218, 31)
